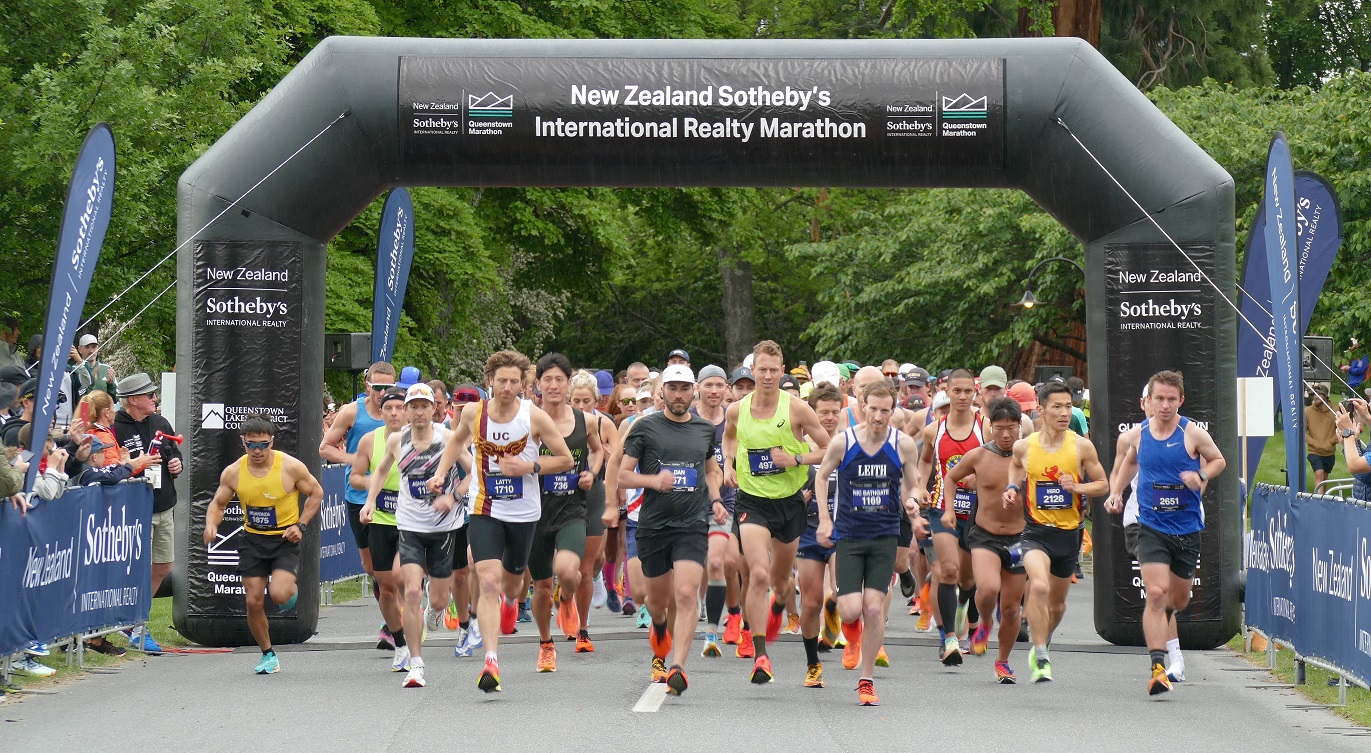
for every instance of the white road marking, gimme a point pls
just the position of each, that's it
(651, 699)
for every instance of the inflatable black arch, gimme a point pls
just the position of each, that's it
(1004, 113)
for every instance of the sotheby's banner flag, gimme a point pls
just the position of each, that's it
(394, 252)
(1282, 267)
(90, 197)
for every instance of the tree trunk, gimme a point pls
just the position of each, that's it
(1078, 18)
(739, 306)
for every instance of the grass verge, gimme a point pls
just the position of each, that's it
(1316, 687)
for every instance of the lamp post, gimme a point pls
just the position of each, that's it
(1029, 300)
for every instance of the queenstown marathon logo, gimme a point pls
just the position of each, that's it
(963, 115)
(490, 105)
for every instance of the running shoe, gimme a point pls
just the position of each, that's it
(583, 644)
(450, 620)
(289, 604)
(852, 653)
(792, 625)
(1159, 683)
(433, 620)
(925, 621)
(630, 608)
(833, 626)
(907, 584)
(733, 626)
(980, 640)
(509, 614)
(761, 671)
(547, 657)
(882, 658)
(460, 648)
(612, 600)
(660, 644)
(140, 640)
(415, 678)
(814, 675)
(37, 649)
(568, 619)
(525, 615)
(711, 649)
(644, 619)
(676, 682)
(866, 693)
(952, 653)
(106, 648)
(489, 681)
(1003, 674)
(1041, 668)
(401, 661)
(658, 669)
(745, 648)
(599, 595)
(964, 643)
(915, 607)
(1177, 674)
(385, 641)
(269, 665)
(474, 633)
(27, 665)
(960, 624)
(773, 622)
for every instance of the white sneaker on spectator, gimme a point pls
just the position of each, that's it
(33, 668)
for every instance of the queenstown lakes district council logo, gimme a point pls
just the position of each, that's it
(215, 416)
(488, 114)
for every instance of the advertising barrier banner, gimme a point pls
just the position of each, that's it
(1270, 595)
(338, 555)
(75, 564)
(245, 344)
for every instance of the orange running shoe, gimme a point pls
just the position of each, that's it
(745, 648)
(773, 622)
(814, 675)
(733, 627)
(866, 693)
(547, 657)
(661, 645)
(583, 644)
(568, 619)
(450, 620)
(489, 681)
(882, 658)
(676, 682)
(658, 669)
(792, 625)
(761, 671)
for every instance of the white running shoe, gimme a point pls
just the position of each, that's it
(33, 668)
(461, 648)
(401, 662)
(599, 595)
(433, 620)
(415, 678)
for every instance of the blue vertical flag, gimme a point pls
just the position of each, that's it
(1282, 264)
(90, 197)
(1318, 229)
(394, 252)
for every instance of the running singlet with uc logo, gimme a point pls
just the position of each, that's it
(947, 452)
(512, 499)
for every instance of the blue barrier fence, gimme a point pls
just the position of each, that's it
(1309, 577)
(78, 564)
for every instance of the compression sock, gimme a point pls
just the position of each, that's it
(947, 602)
(715, 594)
(973, 615)
(812, 650)
(399, 636)
(759, 644)
(1156, 656)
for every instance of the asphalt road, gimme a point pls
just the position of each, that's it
(336, 693)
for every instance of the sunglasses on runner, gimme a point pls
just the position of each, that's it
(465, 396)
(256, 445)
(627, 401)
(381, 387)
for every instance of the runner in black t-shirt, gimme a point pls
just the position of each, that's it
(670, 455)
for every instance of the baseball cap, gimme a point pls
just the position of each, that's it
(941, 401)
(395, 393)
(678, 352)
(29, 388)
(644, 393)
(678, 372)
(1022, 393)
(905, 368)
(826, 371)
(420, 391)
(465, 393)
(747, 361)
(801, 373)
(916, 377)
(845, 370)
(712, 371)
(1077, 387)
(88, 340)
(741, 373)
(789, 382)
(993, 376)
(604, 382)
(409, 376)
(944, 375)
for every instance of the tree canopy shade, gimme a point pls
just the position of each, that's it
(376, 113)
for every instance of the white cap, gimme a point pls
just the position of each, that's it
(644, 393)
(88, 340)
(420, 391)
(941, 401)
(825, 371)
(747, 360)
(906, 368)
(653, 374)
(678, 372)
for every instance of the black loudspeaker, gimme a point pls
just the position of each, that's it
(1318, 369)
(1044, 374)
(347, 351)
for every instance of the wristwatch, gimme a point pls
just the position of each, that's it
(799, 460)
(1203, 476)
(537, 468)
(1347, 433)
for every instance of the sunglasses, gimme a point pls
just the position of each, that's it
(627, 401)
(465, 397)
(381, 387)
(257, 445)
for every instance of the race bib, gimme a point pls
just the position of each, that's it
(719, 454)
(387, 501)
(685, 478)
(1168, 497)
(962, 502)
(261, 518)
(418, 488)
(1052, 497)
(504, 487)
(761, 464)
(870, 496)
(832, 490)
(560, 483)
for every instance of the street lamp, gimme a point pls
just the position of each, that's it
(1029, 300)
